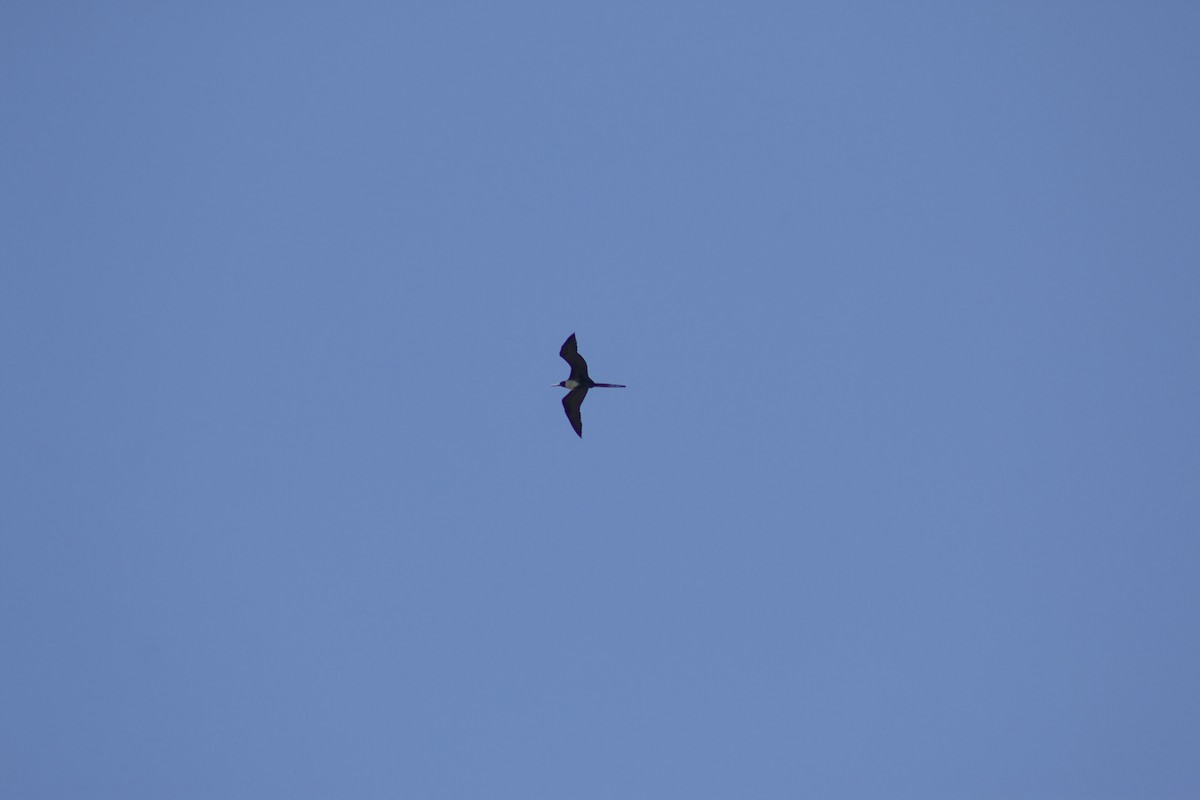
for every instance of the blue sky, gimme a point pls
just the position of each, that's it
(902, 500)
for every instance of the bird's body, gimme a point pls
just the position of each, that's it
(578, 383)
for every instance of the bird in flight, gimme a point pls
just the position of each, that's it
(578, 383)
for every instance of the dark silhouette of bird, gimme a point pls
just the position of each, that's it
(578, 383)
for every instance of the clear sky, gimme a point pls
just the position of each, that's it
(902, 501)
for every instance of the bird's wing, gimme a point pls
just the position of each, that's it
(570, 354)
(572, 400)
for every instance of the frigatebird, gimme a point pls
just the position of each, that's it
(578, 383)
